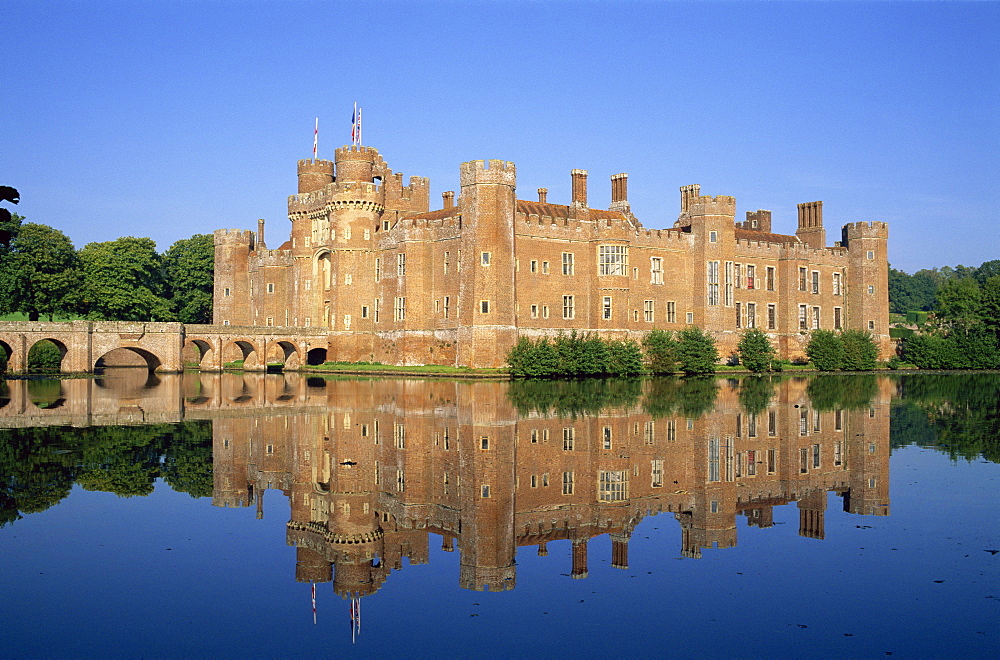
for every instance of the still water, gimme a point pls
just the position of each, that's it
(279, 516)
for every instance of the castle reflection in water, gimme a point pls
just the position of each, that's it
(370, 468)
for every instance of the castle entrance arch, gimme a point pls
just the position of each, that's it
(316, 356)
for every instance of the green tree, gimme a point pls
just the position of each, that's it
(696, 351)
(44, 358)
(755, 393)
(860, 350)
(122, 281)
(189, 267)
(38, 272)
(958, 300)
(825, 350)
(755, 350)
(661, 351)
(624, 358)
(989, 310)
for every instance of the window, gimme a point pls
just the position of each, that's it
(447, 306)
(347, 321)
(270, 287)
(606, 314)
(751, 277)
(871, 254)
(534, 481)
(545, 311)
(484, 442)
(486, 490)
(713, 282)
(486, 258)
(348, 278)
(871, 289)
(871, 325)
(802, 279)
(225, 322)
(484, 306)
(606, 438)
(612, 486)
(612, 259)
(378, 269)
(815, 281)
(713, 237)
(671, 311)
(815, 454)
(649, 432)
(399, 435)
(713, 459)
(772, 461)
(803, 320)
(657, 473)
(770, 278)
(385, 225)
(378, 308)
(803, 422)
(689, 318)
(569, 438)
(368, 234)
(838, 453)
(737, 270)
(567, 483)
(647, 311)
(567, 263)
(729, 283)
(545, 479)
(739, 319)
(308, 321)
(772, 317)
(655, 270)
(447, 261)
(307, 284)
(533, 266)
(400, 264)
(836, 284)
(803, 460)
(836, 318)
(269, 321)
(534, 311)
(545, 268)
(568, 308)
(399, 310)
(815, 318)
(671, 430)
(226, 294)
(751, 315)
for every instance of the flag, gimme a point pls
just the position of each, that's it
(315, 138)
(314, 602)
(359, 125)
(354, 124)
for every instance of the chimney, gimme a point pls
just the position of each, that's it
(579, 570)
(811, 231)
(579, 187)
(260, 234)
(619, 193)
(449, 199)
(688, 193)
(543, 195)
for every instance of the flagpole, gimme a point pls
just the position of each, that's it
(316, 139)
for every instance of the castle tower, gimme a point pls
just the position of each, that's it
(811, 231)
(712, 224)
(314, 174)
(867, 296)
(812, 513)
(486, 298)
(231, 299)
(759, 220)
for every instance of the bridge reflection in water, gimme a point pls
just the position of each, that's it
(371, 467)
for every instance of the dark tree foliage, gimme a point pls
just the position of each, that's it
(189, 267)
(755, 351)
(44, 358)
(696, 351)
(825, 350)
(574, 355)
(860, 350)
(690, 397)
(660, 348)
(122, 281)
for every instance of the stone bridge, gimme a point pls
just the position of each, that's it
(87, 346)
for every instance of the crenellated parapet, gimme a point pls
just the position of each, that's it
(235, 237)
(358, 163)
(712, 205)
(314, 173)
(856, 230)
(494, 171)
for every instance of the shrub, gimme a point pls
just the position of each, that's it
(825, 350)
(624, 358)
(860, 350)
(661, 351)
(755, 351)
(696, 351)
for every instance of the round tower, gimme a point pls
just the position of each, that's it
(314, 174)
(357, 163)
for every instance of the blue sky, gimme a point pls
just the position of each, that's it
(167, 119)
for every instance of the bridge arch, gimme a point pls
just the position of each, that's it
(38, 344)
(284, 353)
(199, 351)
(316, 356)
(128, 356)
(243, 351)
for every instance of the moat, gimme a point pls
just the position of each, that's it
(270, 515)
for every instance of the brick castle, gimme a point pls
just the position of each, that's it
(394, 282)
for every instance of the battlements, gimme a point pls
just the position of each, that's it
(709, 205)
(493, 171)
(234, 237)
(874, 229)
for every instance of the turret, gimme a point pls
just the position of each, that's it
(867, 297)
(231, 300)
(314, 174)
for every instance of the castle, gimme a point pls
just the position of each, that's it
(394, 282)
